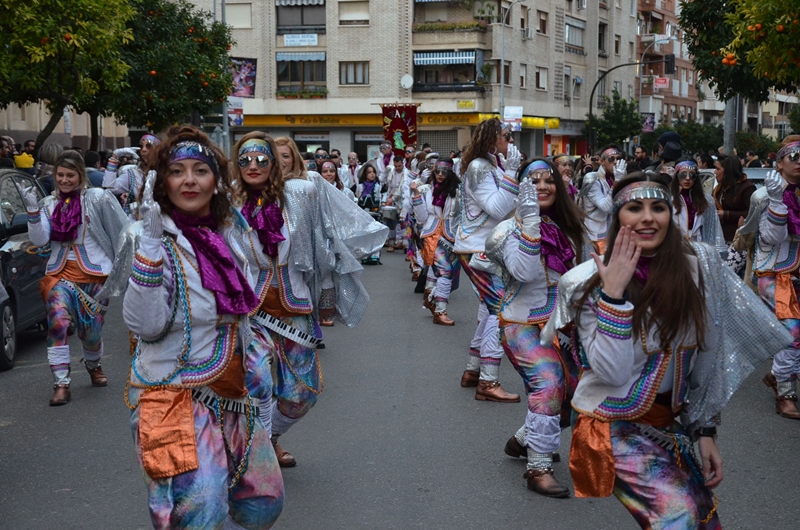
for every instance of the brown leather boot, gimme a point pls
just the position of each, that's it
(515, 450)
(442, 319)
(470, 378)
(426, 301)
(415, 276)
(492, 391)
(61, 395)
(98, 376)
(787, 407)
(285, 458)
(544, 483)
(771, 382)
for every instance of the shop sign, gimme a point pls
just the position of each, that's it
(320, 137)
(367, 137)
(301, 40)
(465, 104)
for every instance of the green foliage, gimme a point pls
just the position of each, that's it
(620, 121)
(760, 144)
(649, 139)
(696, 137)
(794, 119)
(52, 47)
(712, 31)
(178, 62)
(427, 27)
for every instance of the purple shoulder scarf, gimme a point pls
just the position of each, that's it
(556, 247)
(66, 217)
(267, 222)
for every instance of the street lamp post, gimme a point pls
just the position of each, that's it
(503, 61)
(641, 61)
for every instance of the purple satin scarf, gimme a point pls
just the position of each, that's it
(556, 248)
(67, 216)
(691, 209)
(267, 223)
(791, 202)
(572, 190)
(368, 187)
(643, 269)
(441, 198)
(218, 271)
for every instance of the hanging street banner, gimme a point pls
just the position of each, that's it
(400, 125)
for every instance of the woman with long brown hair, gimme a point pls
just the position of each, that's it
(694, 210)
(81, 225)
(732, 200)
(488, 193)
(543, 241)
(303, 272)
(659, 321)
(289, 159)
(196, 382)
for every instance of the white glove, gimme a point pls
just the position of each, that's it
(528, 209)
(150, 210)
(511, 161)
(425, 176)
(620, 169)
(774, 184)
(126, 151)
(30, 198)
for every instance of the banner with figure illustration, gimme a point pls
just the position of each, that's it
(400, 125)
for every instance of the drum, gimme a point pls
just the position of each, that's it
(390, 213)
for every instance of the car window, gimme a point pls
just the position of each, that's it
(10, 200)
(26, 182)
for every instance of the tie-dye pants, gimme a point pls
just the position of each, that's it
(64, 307)
(786, 363)
(201, 498)
(658, 490)
(490, 289)
(549, 380)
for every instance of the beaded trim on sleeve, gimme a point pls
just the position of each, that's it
(613, 322)
(509, 184)
(146, 272)
(35, 217)
(416, 201)
(527, 245)
(776, 218)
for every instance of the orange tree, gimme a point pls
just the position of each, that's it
(179, 65)
(735, 59)
(49, 50)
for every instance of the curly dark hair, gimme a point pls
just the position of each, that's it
(273, 190)
(450, 183)
(220, 204)
(484, 139)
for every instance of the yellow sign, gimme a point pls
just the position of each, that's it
(465, 104)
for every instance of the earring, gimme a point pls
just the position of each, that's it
(216, 191)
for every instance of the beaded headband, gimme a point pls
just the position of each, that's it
(329, 163)
(194, 151)
(610, 151)
(149, 138)
(258, 145)
(386, 143)
(444, 165)
(639, 191)
(686, 165)
(538, 165)
(788, 149)
(559, 157)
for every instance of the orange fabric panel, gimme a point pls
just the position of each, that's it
(591, 458)
(166, 432)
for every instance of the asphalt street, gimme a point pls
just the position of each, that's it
(394, 441)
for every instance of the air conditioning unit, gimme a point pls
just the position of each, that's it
(527, 33)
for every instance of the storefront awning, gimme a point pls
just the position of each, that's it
(429, 58)
(299, 3)
(300, 56)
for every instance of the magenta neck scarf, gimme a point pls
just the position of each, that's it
(267, 220)
(643, 269)
(691, 209)
(556, 248)
(66, 217)
(791, 202)
(440, 198)
(218, 271)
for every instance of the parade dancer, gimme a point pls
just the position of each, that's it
(82, 227)
(302, 270)
(775, 218)
(127, 182)
(693, 210)
(433, 212)
(566, 168)
(667, 333)
(487, 194)
(196, 383)
(383, 162)
(329, 172)
(395, 184)
(535, 248)
(594, 197)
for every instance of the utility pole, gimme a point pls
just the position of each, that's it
(729, 130)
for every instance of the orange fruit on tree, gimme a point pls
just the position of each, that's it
(732, 62)
(780, 28)
(758, 26)
(153, 72)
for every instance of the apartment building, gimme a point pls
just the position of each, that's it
(659, 33)
(317, 70)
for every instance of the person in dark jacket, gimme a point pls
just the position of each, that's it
(732, 194)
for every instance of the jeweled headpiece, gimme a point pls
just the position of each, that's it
(536, 165)
(194, 151)
(151, 139)
(258, 145)
(638, 191)
(788, 149)
(686, 165)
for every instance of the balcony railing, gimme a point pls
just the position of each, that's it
(448, 87)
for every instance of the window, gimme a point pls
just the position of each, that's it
(573, 32)
(630, 91)
(576, 89)
(633, 8)
(523, 21)
(353, 13)
(567, 87)
(618, 3)
(630, 51)
(541, 78)
(301, 19)
(523, 74)
(617, 44)
(506, 73)
(689, 113)
(618, 87)
(354, 73)
(239, 15)
(542, 27)
(301, 75)
(691, 77)
(501, 15)
(11, 201)
(601, 90)
(601, 38)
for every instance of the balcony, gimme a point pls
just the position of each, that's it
(448, 87)
(450, 34)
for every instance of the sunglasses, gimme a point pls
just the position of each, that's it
(793, 157)
(613, 159)
(262, 161)
(440, 171)
(508, 136)
(146, 142)
(409, 152)
(320, 156)
(683, 175)
(334, 157)
(352, 158)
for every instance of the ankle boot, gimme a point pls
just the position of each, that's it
(427, 303)
(61, 395)
(470, 378)
(543, 482)
(492, 391)
(442, 319)
(786, 400)
(285, 458)
(96, 373)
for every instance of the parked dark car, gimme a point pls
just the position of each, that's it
(21, 266)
